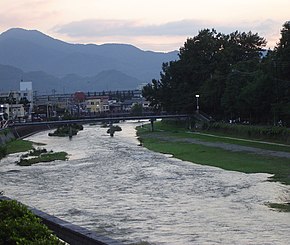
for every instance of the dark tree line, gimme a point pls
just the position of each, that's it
(232, 75)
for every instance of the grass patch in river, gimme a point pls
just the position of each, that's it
(282, 207)
(41, 155)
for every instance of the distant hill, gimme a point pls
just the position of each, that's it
(10, 78)
(54, 64)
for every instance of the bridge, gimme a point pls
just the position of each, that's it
(28, 128)
(24, 129)
(152, 118)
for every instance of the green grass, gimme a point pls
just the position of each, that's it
(19, 146)
(282, 207)
(243, 142)
(180, 131)
(228, 160)
(16, 146)
(47, 157)
(213, 156)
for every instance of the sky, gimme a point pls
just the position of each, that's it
(157, 25)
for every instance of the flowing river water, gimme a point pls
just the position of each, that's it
(126, 192)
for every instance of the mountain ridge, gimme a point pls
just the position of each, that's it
(33, 51)
(10, 78)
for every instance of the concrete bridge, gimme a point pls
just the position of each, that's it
(152, 118)
(24, 129)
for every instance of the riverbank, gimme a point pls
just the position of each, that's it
(128, 193)
(234, 154)
(20, 145)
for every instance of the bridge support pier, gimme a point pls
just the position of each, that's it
(70, 132)
(152, 124)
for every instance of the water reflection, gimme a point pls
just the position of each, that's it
(122, 190)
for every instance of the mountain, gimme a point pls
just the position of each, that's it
(10, 78)
(42, 57)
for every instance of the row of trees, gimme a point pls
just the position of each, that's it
(232, 74)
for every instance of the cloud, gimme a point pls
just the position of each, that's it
(161, 37)
(100, 28)
(95, 28)
(27, 14)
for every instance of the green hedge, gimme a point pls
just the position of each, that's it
(249, 131)
(18, 225)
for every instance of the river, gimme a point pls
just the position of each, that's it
(126, 192)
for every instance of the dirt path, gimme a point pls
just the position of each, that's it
(226, 146)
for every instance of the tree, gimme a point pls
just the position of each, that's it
(136, 110)
(282, 54)
(281, 76)
(151, 92)
(207, 64)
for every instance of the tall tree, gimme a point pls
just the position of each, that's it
(208, 63)
(281, 76)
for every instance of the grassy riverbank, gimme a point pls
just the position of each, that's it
(19, 146)
(190, 146)
(175, 139)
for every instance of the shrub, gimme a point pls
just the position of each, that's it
(260, 132)
(3, 151)
(18, 225)
(67, 130)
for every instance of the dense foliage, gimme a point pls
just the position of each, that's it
(19, 226)
(232, 75)
(3, 151)
(67, 130)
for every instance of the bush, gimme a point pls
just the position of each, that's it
(259, 132)
(114, 129)
(18, 225)
(67, 130)
(3, 151)
(42, 157)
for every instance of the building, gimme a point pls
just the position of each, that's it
(4, 112)
(97, 104)
(10, 104)
(26, 92)
(17, 112)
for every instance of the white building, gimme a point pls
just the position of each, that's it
(27, 92)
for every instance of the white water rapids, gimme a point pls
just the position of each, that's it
(128, 193)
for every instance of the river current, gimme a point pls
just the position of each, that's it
(121, 190)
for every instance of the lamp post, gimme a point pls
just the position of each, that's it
(197, 106)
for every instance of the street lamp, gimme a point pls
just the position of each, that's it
(197, 106)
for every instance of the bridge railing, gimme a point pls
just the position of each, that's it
(99, 119)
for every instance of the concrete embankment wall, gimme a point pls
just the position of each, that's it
(70, 233)
(5, 136)
(12, 133)
(25, 131)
